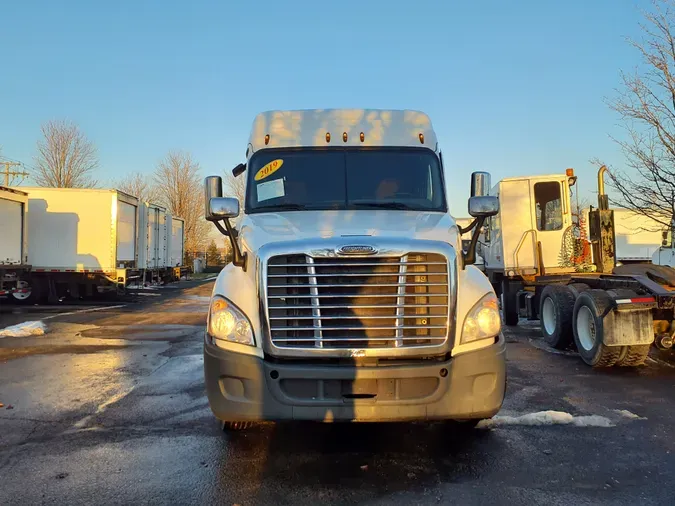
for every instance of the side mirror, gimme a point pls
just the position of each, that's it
(480, 184)
(219, 208)
(213, 188)
(483, 206)
(223, 207)
(238, 170)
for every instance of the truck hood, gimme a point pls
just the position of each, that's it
(259, 229)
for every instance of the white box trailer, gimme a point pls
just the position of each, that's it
(152, 237)
(161, 244)
(637, 236)
(13, 241)
(80, 237)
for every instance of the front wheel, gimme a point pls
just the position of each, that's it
(590, 310)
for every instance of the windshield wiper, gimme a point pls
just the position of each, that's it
(282, 207)
(385, 205)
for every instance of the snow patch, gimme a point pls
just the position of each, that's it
(627, 414)
(24, 329)
(547, 418)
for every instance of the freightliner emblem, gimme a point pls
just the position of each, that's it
(356, 250)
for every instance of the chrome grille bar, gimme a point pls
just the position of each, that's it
(329, 304)
(400, 311)
(316, 311)
(354, 285)
(369, 264)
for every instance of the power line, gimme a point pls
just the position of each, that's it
(7, 172)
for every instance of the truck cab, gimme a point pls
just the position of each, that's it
(349, 297)
(528, 236)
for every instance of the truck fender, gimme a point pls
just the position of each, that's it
(472, 285)
(239, 287)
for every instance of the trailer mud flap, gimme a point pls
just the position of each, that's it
(628, 327)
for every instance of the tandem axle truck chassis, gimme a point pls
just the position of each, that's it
(612, 319)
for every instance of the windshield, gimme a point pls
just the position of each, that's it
(313, 179)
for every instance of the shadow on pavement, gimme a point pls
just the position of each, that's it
(280, 463)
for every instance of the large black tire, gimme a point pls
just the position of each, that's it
(634, 356)
(590, 310)
(510, 303)
(555, 314)
(578, 288)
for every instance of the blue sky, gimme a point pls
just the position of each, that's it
(511, 87)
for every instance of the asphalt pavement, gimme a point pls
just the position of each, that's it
(109, 408)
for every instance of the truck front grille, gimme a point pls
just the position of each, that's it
(378, 302)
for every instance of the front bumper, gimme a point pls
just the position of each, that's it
(245, 388)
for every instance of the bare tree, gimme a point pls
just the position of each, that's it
(179, 188)
(235, 186)
(141, 186)
(66, 158)
(646, 105)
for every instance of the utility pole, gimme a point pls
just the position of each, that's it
(7, 172)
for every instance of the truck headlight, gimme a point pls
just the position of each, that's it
(227, 322)
(483, 320)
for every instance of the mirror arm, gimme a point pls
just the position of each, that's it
(470, 255)
(469, 227)
(238, 258)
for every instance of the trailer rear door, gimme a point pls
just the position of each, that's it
(177, 241)
(153, 238)
(126, 231)
(11, 231)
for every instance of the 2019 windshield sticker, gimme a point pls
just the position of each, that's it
(269, 169)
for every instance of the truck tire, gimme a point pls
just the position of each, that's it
(555, 314)
(510, 302)
(634, 356)
(590, 310)
(578, 288)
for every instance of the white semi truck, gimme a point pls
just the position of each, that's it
(611, 313)
(349, 297)
(14, 266)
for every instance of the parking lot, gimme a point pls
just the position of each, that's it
(109, 407)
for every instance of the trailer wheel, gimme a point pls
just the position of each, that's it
(590, 310)
(510, 302)
(555, 313)
(24, 296)
(634, 355)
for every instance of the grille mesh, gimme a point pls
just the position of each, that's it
(379, 302)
